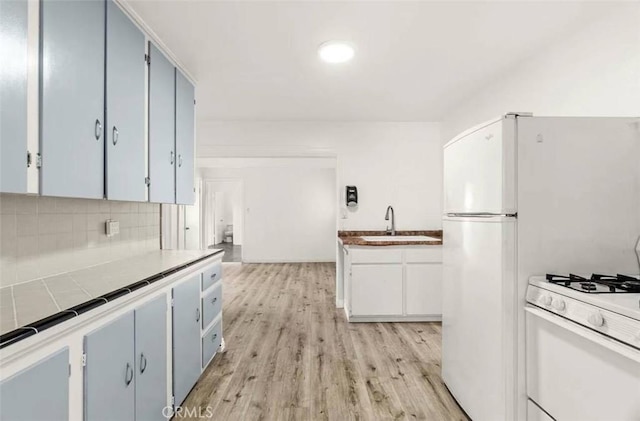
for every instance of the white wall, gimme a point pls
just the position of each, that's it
(595, 72)
(391, 163)
(289, 210)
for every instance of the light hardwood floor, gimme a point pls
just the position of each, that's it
(292, 355)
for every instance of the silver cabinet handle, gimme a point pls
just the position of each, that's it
(197, 315)
(115, 135)
(128, 375)
(98, 129)
(213, 338)
(179, 160)
(213, 275)
(214, 300)
(172, 157)
(143, 363)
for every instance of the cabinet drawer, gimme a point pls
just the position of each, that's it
(432, 254)
(211, 305)
(211, 275)
(211, 342)
(376, 255)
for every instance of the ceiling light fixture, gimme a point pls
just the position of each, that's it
(335, 52)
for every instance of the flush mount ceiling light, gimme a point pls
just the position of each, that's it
(335, 52)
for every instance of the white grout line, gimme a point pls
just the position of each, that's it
(80, 286)
(15, 311)
(51, 295)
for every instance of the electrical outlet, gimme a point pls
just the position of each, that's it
(112, 227)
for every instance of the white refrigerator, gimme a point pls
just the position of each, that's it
(526, 196)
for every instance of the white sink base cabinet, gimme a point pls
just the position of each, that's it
(392, 283)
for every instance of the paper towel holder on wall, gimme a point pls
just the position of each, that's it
(351, 196)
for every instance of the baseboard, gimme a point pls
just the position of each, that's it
(245, 260)
(393, 319)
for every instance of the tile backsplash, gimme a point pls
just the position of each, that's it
(45, 236)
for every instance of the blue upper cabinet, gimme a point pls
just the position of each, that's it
(72, 124)
(125, 105)
(94, 131)
(185, 132)
(162, 153)
(13, 96)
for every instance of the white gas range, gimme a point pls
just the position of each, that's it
(583, 347)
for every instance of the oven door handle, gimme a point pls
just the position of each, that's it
(599, 338)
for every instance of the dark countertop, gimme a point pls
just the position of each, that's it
(355, 238)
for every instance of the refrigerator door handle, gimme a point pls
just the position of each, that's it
(482, 215)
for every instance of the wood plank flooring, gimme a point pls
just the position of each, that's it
(291, 355)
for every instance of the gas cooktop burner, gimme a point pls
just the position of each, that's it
(598, 283)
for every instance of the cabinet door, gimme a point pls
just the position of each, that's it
(109, 376)
(424, 289)
(124, 129)
(40, 392)
(186, 337)
(376, 290)
(72, 107)
(185, 108)
(151, 359)
(13, 96)
(162, 154)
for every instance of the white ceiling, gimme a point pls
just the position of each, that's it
(258, 60)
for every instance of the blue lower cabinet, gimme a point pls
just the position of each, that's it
(151, 359)
(211, 305)
(125, 375)
(39, 392)
(211, 342)
(211, 275)
(109, 377)
(186, 319)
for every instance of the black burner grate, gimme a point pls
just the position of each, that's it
(598, 283)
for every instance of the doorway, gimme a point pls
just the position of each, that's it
(223, 216)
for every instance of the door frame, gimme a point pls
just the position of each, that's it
(210, 218)
(183, 217)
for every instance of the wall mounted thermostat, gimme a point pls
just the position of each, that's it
(352, 196)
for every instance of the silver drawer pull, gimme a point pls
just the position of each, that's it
(213, 338)
(197, 315)
(213, 275)
(115, 135)
(179, 160)
(172, 159)
(214, 300)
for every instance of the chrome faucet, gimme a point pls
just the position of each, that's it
(392, 230)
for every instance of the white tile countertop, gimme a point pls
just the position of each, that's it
(27, 302)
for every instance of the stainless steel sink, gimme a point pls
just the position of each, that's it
(407, 238)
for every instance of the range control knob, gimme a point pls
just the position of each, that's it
(596, 319)
(546, 300)
(559, 304)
